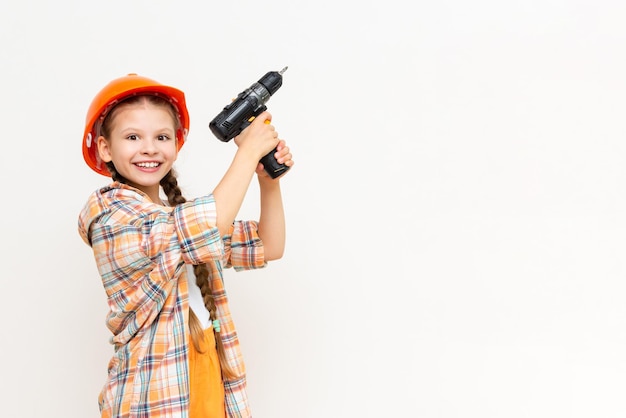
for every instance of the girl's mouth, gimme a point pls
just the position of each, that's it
(151, 164)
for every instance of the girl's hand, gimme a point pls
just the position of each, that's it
(260, 137)
(282, 155)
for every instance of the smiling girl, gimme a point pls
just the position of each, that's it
(176, 351)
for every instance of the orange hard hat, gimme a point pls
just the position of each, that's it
(116, 91)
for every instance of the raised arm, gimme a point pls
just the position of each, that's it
(272, 217)
(252, 144)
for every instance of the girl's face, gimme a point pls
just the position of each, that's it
(141, 145)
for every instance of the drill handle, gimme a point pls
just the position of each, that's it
(272, 166)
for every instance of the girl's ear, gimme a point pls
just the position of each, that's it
(103, 149)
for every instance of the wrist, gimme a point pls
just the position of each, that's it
(247, 156)
(268, 183)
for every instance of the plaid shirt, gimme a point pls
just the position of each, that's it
(140, 249)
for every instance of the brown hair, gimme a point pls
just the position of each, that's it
(169, 183)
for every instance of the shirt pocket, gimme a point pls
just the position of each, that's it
(120, 255)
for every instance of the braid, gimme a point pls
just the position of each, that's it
(114, 174)
(169, 183)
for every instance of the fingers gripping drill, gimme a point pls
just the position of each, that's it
(248, 104)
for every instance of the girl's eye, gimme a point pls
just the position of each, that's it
(163, 137)
(132, 137)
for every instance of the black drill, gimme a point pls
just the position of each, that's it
(250, 103)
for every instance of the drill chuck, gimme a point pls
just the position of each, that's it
(272, 81)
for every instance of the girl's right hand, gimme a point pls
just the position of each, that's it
(260, 137)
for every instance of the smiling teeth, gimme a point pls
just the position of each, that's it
(148, 165)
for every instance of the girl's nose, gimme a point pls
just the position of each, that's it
(148, 146)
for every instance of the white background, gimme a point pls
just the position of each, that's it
(456, 223)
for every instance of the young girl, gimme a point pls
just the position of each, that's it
(176, 349)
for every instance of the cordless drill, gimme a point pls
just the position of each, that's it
(248, 104)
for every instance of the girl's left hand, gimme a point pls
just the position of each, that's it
(282, 155)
